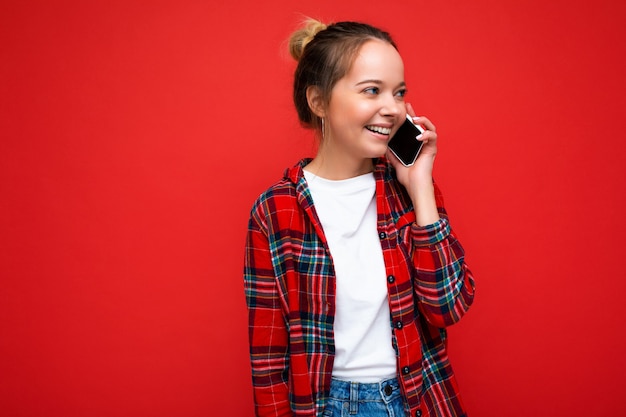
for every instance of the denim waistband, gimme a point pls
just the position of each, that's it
(387, 390)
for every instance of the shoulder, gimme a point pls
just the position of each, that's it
(395, 193)
(283, 195)
(278, 193)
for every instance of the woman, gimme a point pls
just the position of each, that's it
(351, 271)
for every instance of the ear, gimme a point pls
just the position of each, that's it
(315, 101)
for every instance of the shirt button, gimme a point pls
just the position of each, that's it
(391, 279)
(406, 370)
(398, 325)
(382, 235)
(418, 413)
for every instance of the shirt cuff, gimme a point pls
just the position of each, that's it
(430, 234)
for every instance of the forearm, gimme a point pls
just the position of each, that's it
(271, 390)
(444, 285)
(268, 354)
(424, 202)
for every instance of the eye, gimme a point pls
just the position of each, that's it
(401, 93)
(372, 90)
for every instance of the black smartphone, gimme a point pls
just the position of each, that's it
(404, 143)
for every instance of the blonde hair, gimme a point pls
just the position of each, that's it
(301, 37)
(325, 54)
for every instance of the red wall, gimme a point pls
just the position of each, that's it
(135, 136)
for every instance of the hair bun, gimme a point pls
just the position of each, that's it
(301, 37)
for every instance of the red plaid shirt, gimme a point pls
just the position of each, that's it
(290, 292)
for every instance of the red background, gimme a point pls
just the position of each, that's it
(136, 134)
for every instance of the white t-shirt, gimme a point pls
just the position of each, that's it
(347, 211)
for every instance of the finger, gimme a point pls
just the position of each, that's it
(428, 136)
(424, 121)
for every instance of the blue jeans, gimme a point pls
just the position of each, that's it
(354, 399)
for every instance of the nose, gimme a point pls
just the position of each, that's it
(392, 106)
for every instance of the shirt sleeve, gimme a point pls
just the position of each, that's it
(266, 326)
(443, 283)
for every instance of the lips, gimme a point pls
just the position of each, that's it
(379, 129)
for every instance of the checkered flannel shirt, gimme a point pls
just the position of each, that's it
(289, 285)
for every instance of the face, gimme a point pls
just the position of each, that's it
(367, 105)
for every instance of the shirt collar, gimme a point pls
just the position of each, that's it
(296, 172)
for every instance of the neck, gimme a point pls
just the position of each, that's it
(337, 165)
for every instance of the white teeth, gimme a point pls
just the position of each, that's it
(378, 129)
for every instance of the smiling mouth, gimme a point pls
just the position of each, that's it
(378, 129)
